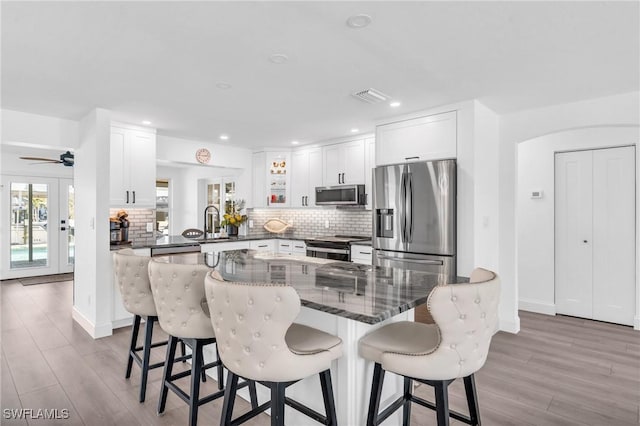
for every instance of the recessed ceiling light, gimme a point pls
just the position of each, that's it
(278, 58)
(223, 85)
(358, 21)
(146, 122)
(394, 104)
(294, 142)
(354, 130)
(224, 137)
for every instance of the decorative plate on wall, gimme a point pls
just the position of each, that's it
(276, 226)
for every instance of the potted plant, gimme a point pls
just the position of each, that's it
(232, 217)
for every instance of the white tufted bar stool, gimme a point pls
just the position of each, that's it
(135, 290)
(178, 292)
(258, 341)
(456, 346)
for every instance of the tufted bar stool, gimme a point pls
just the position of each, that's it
(135, 290)
(258, 341)
(178, 292)
(456, 346)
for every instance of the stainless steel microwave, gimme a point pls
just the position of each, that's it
(342, 195)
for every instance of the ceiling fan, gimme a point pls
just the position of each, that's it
(66, 159)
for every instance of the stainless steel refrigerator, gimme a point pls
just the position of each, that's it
(414, 216)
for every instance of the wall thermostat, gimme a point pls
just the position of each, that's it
(536, 194)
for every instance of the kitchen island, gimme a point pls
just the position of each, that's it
(341, 298)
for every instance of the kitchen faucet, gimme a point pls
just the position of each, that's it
(213, 222)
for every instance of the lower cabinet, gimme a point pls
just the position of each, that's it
(362, 254)
(232, 245)
(263, 245)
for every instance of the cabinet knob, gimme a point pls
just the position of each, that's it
(585, 241)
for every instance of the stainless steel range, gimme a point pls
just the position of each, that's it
(336, 247)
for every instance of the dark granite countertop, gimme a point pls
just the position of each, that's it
(180, 241)
(364, 293)
(361, 243)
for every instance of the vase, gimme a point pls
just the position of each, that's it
(232, 230)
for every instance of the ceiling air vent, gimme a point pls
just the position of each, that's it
(371, 96)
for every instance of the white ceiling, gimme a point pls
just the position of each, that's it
(161, 61)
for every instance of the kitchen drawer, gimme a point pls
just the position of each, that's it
(361, 254)
(234, 245)
(263, 245)
(299, 248)
(285, 246)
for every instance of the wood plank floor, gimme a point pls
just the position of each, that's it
(556, 371)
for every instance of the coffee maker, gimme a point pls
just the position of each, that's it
(119, 228)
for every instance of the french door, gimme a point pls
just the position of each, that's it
(39, 224)
(595, 257)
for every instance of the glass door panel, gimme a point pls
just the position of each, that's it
(29, 220)
(67, 226)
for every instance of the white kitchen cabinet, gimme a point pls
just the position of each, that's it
(259, 161)
(263, 245)
(285, 246)
(369, 164)
(420, 139)
(231, 245)
(271, 179)
(299, 248)
(344, 163)
(362, 254)
(132, 167)
(306, 175)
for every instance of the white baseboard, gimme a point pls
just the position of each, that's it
(94, 331)
(510, 326)
(125, 322)
(537, 306)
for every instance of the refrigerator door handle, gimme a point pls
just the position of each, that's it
(410, 208)
(421, 261)
(403, 213)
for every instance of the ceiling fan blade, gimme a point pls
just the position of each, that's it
(45, 162)
(49, 160)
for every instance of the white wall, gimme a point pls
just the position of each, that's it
(39, 130)
(179, 155)
(528, 140)
(535, 218)
(93, 284)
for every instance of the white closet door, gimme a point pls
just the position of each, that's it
(573, 233)
(614, 253)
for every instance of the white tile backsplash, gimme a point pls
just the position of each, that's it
(312, 221)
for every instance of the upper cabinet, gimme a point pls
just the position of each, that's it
(369, 164)
(420, 139)
(132, 167)
(306, 174)
(344, 163)
(271, 179)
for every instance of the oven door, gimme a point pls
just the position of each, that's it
(328, 253)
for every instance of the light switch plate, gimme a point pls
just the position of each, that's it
(250, 223)
(150, 227)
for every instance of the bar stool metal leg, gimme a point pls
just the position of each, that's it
(277, 404)
(327, 395)
(134, 342)
(168, 368)
(376, 393)
(146, 354)
(229, 398)
(196, 371)
(442, 402)
(406, 408)
(472, 399)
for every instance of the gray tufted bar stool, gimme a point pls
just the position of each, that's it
(258, 341)
(135, 290)
(456, 346)
(178, 292)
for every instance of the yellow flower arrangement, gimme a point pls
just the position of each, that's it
(232, 215)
